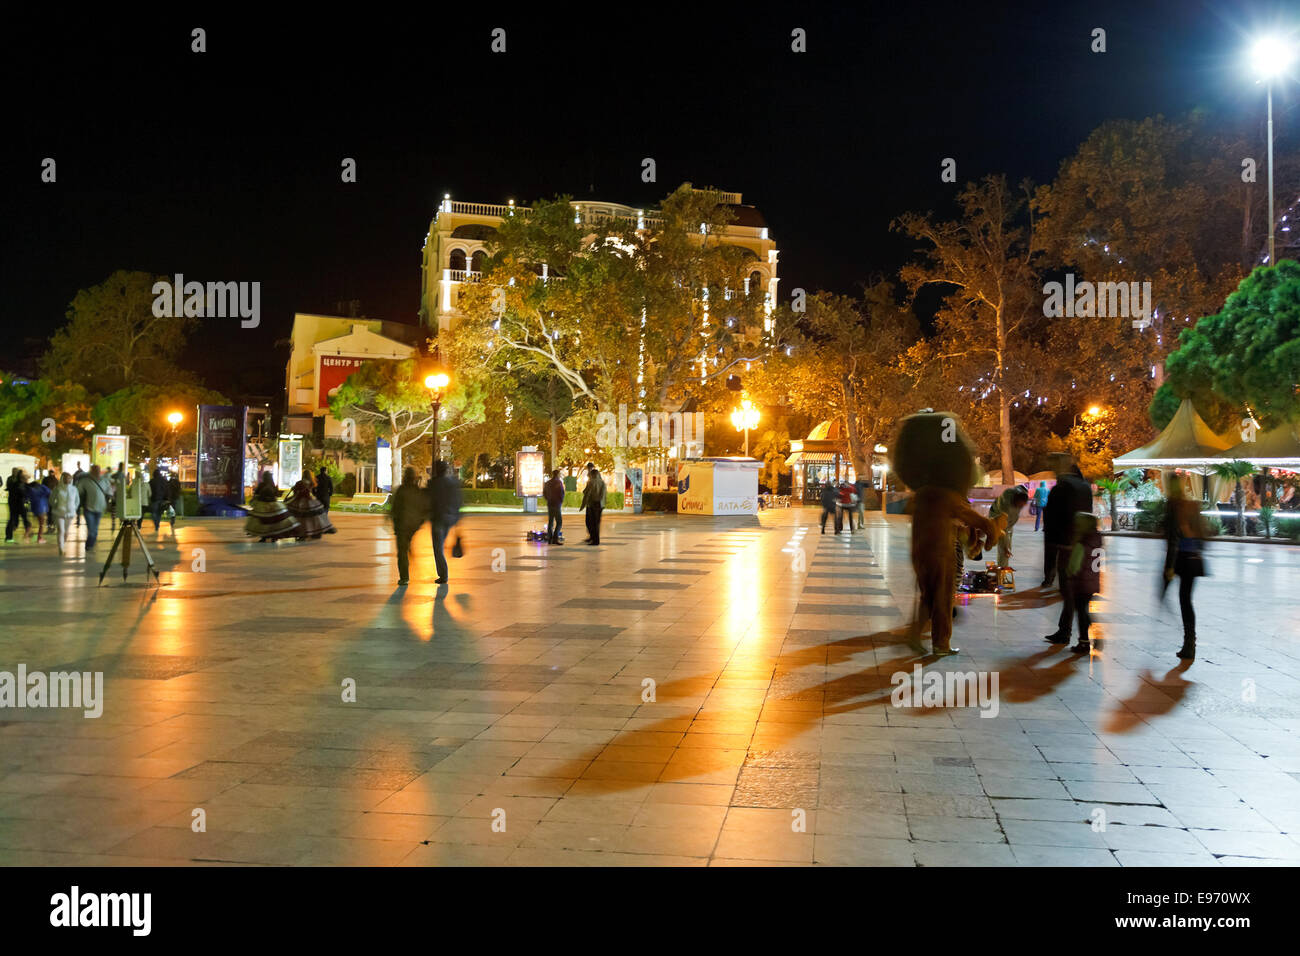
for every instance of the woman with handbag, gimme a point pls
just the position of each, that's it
(1185, 533)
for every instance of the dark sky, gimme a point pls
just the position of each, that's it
(225, 165)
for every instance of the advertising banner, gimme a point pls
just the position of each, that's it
(718, 486)
(334, 371)
(290, 460)
(530, 473)
(694, 488)
(384, 464)
(108, 451)
(221, 453)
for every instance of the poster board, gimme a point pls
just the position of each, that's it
(221, 435)
(632, 488)
(109, 451)
(290, 460)
(718, 486)
(530, 473)
(383, 465)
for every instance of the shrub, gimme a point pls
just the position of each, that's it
(347, 487)
(1151, 517)
(664, 501)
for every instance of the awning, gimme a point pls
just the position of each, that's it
(813, 458)
(1277, 448)
(1186, 442)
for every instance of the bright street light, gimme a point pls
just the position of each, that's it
(744, 418)
(436, 382)
(175, 418)
(1270, 57)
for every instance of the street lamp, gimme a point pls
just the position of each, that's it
(744, 418)
(435, 383)
(1270, 57)
(174, 419)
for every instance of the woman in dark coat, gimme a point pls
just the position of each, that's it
(1184, 556)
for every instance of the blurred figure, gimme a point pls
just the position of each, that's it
(324, 488)
(1085, 573)
(553, 492)
(1185, 533)
(38, 497)
(1070, 496)
(309, 513)
(93, 491)
(444, 512)
(76, 480)
(64, 504)
(848, 502)
(16, 487)
(593, 502)
(269, 519)
(1040, 502)
(1004, 513)
(157, 498)
(175, 499)
(830, 506)
(409, 509)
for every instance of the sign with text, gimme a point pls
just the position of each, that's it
(109, 451)
(334, 371)
(221, 453)
(290, 460)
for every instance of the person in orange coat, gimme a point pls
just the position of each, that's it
(933, 457)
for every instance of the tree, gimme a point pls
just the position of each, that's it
(41, 418)
(1245, 358)
(113, 339)
(986, 324)
(141, 411)
(1113, 487)
(391, 397)
(849, 363)
(1236, 471)
(543, 395)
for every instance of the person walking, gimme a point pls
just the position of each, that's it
(16, 487)
(93, 494)
(175, 499)
(1185, 533)
(848, 504)
(310, 514)
(64, 505)
(325, 488)
(408, 510)
(1040, 501)
(830, 506)
(1004, 513)
(860, 488)
(553, 492)
(76, 479)
(444, 512)
(38, 497)
(1085, 573)
(593, 502)
(269, 519)
(157, 498)
(1070, 496)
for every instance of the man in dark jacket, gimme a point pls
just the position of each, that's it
(325, 487)
(444, 511)
(408, 510)
(157, 497)
(1070, 496)
(16, 487)
(830, 500)
(553, 492)
(593, 502)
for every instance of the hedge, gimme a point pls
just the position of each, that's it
(659, 501)
(505, 498)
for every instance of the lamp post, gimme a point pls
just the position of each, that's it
(744, 418)
(175, 419)
(435, 383)
(1270, 57)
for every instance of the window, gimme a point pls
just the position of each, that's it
(457, 260)
(477, 260)
(756, 283)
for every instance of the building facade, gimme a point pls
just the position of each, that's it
(456, 247)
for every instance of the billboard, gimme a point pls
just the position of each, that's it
(108, 451)
(530, 474)
(632, 482)
(221, 453)
(384, 464)
(334, 371)
(290, 460)
(718, 486)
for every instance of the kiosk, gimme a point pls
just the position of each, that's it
(718, 486)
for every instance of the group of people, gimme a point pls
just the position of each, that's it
(303, 513)
(842, 501)
(439, 503)
(59, 504)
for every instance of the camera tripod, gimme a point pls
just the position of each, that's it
(132, 525)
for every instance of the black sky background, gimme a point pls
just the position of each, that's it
(225, 165)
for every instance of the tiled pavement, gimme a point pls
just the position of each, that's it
(695, 692)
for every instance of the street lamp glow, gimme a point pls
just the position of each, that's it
(175, 418)
(436, 382)
(744, 418)
(1270, 56)
(1094, 411)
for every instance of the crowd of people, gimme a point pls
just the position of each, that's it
(302, 513)
(56, 505)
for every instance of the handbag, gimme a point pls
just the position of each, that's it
(458, 549)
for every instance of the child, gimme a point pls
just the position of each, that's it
(1085, 573)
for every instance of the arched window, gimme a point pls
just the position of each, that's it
(477, 260)
(457, 260)
(756, 283)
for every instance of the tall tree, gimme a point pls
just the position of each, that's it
(43, 419)
(988, 320)
(141, 411)
(113, 339)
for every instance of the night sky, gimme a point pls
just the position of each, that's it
(225, 165)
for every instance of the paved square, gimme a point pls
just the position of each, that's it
(690, 695)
